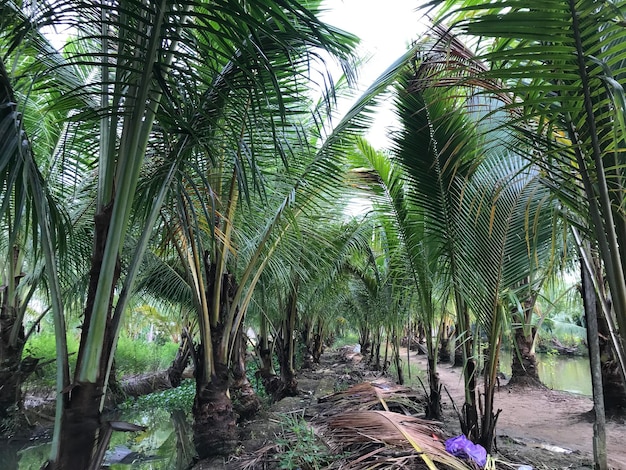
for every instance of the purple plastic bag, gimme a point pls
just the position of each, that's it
(461, 446)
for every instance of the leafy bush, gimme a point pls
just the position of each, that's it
(131, 356)
(180, 398)
(350, 338)
(252, 367)
(136, 357)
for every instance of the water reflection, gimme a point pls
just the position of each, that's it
(569, 374)
(165, 445)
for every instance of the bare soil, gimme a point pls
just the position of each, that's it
(545, 428)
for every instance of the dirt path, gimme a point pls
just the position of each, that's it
(546, 429)
(544, 420)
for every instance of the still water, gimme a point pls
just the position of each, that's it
(165, 445)
(569, 374)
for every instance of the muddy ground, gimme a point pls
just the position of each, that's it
(546, 429)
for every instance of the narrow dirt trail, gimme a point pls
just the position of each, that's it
(540, 418)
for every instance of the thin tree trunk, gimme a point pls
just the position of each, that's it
(308, 341)
(376, 350)
(396, 357)
(183, 354)
(591, 315)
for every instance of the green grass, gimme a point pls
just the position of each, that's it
(131, 357)
(43, 347)
(136, 356)
(350, 338)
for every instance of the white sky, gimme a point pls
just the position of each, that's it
(386, 28)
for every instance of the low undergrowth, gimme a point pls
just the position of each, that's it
(180, 398)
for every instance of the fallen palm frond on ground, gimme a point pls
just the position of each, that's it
(358, 431)
(378, 394)
(390, 440)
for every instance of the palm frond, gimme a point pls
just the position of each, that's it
(387, 428)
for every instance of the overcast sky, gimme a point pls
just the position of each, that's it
(386, 28)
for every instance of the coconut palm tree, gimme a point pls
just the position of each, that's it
(155, 79)
(22, 269)
(563, 83)
(460, 206)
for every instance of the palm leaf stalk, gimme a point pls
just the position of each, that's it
(19, 167)
(590, 300)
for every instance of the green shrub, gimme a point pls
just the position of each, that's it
(131, 357)
(180, 398)
(43, 347)
(300, 447)
(350, 338)
(136, 357)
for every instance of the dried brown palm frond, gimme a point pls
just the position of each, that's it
(408, 435)
(378, 394)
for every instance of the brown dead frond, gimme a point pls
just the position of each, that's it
(379, 394)
(406, 436)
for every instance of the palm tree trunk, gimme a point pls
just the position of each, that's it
(306, 337)
(13, 369)
(524, 365)
(591, 314)
(444, 344)
(183, 354)
(396, 356)
(289, 386)
(245, 400)
(318, 344)
(215, 424)
(433, 407)
(81, 418)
